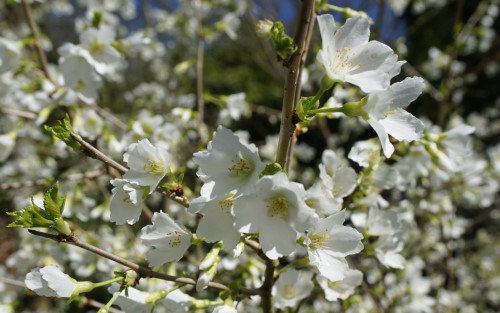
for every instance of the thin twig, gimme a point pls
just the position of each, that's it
(200, 54)
(108, 116)
(12, 282)
(287, 127)
(97, 304)
(267, 285)
(24, 114)
(374, 299)
(38, 182)
(97, 154)
(141, 270)
(41, 54)
(93, 152)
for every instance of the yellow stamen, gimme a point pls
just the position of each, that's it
(225, 205)
(278, 206)
(241, 167)
(154, 167)
(176, 241)
(318, 240)
(289, 292)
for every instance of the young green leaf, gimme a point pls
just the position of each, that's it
(63, 130)
(53, 204)
(49, 216)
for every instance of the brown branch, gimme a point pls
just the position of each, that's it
(94, 153)
(97, 154)
(200, 54)
(267, 285)
(41, 54)
(141, 270)
(108, 116)
(292, 82)
(24, 114)
(366, 289)
(98, 305)
(38, 182)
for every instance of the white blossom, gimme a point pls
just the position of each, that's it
(148, 164)
(291, 287)
(50, 281)
(341, 289)
(348, 56)
(276, 211)
(231, 164)
(126, 202)
(386, 114)
(168, 239)
(329, 243)
(218, 219)
(79, 75)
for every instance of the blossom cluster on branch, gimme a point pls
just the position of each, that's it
(141, 174)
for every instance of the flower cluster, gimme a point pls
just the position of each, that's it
(197, 210)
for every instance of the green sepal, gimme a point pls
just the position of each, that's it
(96, 19)
(284, 44)
(202, 304)
(129, 277)
(63, 130)
(272, 169)
(307, 104)
(353, 109)
(82, 287)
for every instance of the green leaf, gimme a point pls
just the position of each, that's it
(50, 216)
(284, 44)
(53, 204)
(271, 169)
(63, 130)
(30, 216)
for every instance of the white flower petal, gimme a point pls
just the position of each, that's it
(387, 146)
(402, 125)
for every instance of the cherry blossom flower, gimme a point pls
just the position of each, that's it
(98, 44)
(387, 117)
(291, 287)
(276, 211)
(218, 211)
(341, 289)
(79, 75)
(348, 56)
(50, 281)
(148, 164)
(232, 164)
(329, 243)
(168, 238)
(126, 202)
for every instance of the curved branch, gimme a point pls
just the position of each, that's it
(141, 270)
(95, 153)
(41, 54)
